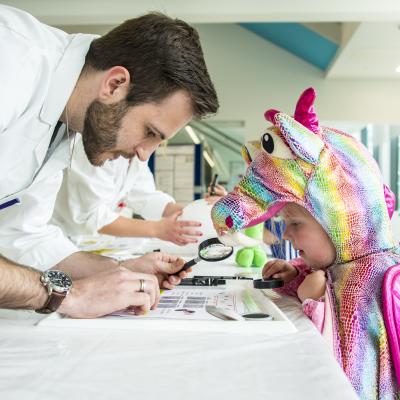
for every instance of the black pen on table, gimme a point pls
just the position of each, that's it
(209, 280)
(238, 277)
(212, 185)
(205, 281)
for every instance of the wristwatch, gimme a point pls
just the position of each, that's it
(58, 285)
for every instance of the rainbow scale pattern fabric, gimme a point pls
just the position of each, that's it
(334, 177)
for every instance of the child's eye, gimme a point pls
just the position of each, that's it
(150, 133)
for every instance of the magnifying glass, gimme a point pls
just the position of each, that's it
(209, 250)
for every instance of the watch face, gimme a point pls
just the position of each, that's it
(59, 281)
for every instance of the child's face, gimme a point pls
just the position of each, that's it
(307, 235)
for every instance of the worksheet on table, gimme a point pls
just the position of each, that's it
(190, 303)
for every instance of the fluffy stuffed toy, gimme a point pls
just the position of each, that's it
(252, 256)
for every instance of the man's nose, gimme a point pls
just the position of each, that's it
(144, 151)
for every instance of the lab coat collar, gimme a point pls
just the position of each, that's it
(65, 77)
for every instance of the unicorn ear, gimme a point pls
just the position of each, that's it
(305, 111)
(269, 115)
(305, 144)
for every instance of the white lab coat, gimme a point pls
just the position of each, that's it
(38, 70)
(89, 196)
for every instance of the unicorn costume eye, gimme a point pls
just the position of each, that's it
(273, 145)
(268, 143)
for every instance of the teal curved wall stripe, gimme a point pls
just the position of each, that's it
(298, 40)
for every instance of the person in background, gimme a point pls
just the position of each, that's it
(218, 192)
(91, 201)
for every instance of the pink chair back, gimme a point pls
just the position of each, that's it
(391, 313)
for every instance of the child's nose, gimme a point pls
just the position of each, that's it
(285, 235)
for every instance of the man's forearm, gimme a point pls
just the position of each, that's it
(82, 264)
(20, 287)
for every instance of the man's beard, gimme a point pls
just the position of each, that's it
(100, 131)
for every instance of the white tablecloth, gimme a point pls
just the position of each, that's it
(49, 363)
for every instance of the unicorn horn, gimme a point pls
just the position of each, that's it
(305, 111)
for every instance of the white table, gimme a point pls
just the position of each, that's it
(47, 363)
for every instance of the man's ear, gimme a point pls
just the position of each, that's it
(304, 143)
(114, 85)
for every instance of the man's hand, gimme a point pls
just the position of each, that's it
(109, 291)
(178, 232)
(163, 265)
(279, 269)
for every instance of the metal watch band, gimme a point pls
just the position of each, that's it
(53, 302)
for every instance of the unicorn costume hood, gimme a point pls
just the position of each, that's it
(333, 176)
(327, 172)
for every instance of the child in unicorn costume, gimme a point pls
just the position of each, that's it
(326, 180)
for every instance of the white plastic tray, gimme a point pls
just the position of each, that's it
(279, 325)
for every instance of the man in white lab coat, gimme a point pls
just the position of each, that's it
(125, 92)
(93, 199)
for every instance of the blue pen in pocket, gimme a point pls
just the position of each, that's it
(9, 203)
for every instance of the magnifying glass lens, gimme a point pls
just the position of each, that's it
(215, 252)
(209, 250)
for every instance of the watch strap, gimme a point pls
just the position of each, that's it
(53, 302)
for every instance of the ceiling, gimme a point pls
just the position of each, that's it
(372, 50)
(345, 39)
(107, 12)
(343, 50)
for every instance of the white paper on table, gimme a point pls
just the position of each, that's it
(189, 303)
(111, 246)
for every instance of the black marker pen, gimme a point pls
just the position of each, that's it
(212, 185)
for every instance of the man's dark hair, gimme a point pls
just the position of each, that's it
(162, 55)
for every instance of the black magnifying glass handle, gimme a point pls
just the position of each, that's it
(188, 264)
